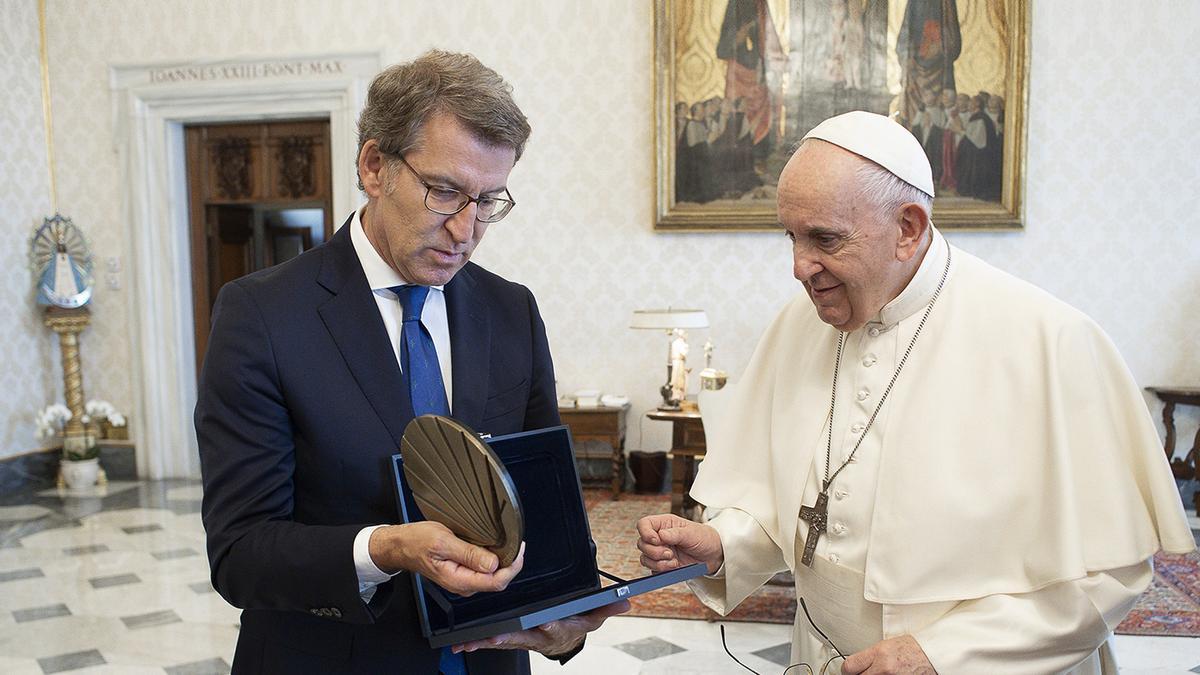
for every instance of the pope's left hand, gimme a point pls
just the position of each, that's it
(552, 639)
(897, 655)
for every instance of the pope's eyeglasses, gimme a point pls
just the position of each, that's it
(824, 668)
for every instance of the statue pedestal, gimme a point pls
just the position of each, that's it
(69, 323)
(80, 463)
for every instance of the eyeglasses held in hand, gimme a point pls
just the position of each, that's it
(837, 652)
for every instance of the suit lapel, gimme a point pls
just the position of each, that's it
(470, 347)
(353, 321)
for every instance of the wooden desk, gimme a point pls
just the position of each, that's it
(687, 448)
(600, 424)
(1189, 466)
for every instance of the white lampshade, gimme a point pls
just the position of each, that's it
(668, 319)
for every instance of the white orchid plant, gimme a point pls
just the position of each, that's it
(103, 409)
(51, 419)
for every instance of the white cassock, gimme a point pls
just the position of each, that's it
(1002, 509)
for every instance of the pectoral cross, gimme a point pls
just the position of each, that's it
(817, 517)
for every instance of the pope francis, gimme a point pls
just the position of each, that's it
(958, 468)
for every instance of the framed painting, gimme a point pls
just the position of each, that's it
(739, 82)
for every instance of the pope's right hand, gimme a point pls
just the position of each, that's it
(431, 550)
(669, 542)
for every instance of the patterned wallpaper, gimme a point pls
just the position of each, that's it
(29, 374)
(1114, 134)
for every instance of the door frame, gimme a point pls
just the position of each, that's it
(205, 277)
(148, 119)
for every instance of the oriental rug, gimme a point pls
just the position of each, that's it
(1170, 607)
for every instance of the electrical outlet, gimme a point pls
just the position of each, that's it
(113, 281)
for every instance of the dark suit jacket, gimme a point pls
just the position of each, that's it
(301, 405)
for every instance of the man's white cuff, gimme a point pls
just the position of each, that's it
(369, 574)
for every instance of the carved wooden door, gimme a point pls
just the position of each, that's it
(259, 194)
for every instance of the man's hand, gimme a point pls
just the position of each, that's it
(669, 542)
(897, 655)
(431, 550)
(552, 639)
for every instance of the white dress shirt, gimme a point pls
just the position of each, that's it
(381, 277)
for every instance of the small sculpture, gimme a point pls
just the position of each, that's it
(710, 378)
(679, 369)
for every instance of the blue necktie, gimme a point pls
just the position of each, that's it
(419, 361)
(418, 356)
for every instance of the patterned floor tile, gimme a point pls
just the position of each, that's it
(114, 580)
(174, 554)
(181, 507)
(72, 661)
(152, 619)
(22, 512)
(15, 575)
(621, 646)
(779, 654)
(209, 667)
(186, 492)
(36, 613)
(84, 550)
(19, 666)
(649, 648)
(138, 529)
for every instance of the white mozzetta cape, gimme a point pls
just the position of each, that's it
(1018, 451)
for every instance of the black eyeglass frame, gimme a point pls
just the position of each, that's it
(506, 203)
(837, 652)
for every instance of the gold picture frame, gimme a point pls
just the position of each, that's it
(738, 83)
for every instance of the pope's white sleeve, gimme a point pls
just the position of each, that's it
(1050, 630)
(751, 558)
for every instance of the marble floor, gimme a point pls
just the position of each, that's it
(114, 580)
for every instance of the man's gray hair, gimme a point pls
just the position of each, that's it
(887, 191)
(403, 97)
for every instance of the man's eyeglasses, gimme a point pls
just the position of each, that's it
(824, 669)
(447, 201)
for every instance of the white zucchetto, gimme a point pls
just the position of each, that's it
(882, 141)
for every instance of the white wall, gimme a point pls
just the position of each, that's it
(1111, 219)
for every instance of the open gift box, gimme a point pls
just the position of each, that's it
(560, 577)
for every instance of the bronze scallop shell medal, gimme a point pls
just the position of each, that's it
(459, 482)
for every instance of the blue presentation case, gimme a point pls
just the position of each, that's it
(560, 577)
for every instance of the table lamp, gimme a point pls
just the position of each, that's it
(675, 323)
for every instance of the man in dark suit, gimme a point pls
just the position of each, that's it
(313, 370)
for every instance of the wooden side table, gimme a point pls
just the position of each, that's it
(687, 448)
(600, 424)
(1189, 466)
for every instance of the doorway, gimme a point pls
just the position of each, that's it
(259, 193)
